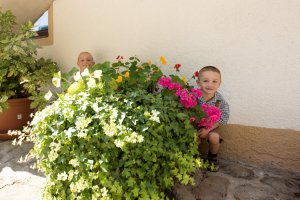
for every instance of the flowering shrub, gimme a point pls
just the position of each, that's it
(114, 135)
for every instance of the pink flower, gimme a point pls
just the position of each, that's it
(213, 113)
(197, 92)
(174, 86)
(187, 100)
(203, 122)
(165, 81)
(192, 119)
(205, 106)
(214, 118)
(178, 92)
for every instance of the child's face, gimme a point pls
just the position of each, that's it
(85, 60)
(209, 82)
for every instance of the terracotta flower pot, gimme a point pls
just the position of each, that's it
(15, 117)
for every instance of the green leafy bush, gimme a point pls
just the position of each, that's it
(21, 73)
(113, 135)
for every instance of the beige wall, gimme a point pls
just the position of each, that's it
(255, 43)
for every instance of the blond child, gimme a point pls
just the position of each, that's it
(85, 60)
(209, 81)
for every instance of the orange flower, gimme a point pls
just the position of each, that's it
(119, 79)
(126, 75)
(184, 79)
(163, 60)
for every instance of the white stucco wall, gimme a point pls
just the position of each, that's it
(255, 43)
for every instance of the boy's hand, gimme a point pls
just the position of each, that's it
(202, 133)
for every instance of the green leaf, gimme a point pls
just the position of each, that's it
(131, 182)
(182, 116)
(135, 191)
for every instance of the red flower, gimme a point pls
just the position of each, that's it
(196, 74)
(177, 66)
(119, 57)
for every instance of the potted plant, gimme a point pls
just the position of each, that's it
(22, 74)
(122, 130)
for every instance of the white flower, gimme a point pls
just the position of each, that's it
(154, 116)
(114, 114)
(140, 138)
(68, 113)
(82, 122)
(77, 76)
(91, 163)
(48, 95)
(82, 134)
(119, 143)
(62, 176)
(79, 186)
(56, 79)
(70, 131)
(97, 74)
(85, 72)
(84, 106)
(95, 107)
(91, 83)
(110, 129)
(134, 137)
(74, 162)
(104, 192)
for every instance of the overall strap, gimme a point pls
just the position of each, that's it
(218, 103)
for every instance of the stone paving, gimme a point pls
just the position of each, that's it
(238, 181)
(234, 181)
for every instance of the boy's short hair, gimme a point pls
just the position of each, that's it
(84, 52)
(209, 68)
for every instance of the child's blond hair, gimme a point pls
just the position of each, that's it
(84, 52)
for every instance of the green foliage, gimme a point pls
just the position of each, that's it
(21, 73)
(111, 135)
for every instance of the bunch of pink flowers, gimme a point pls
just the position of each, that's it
(189, 99)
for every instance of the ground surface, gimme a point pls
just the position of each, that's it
(234, 181)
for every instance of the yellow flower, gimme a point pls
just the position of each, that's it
(184, 79)
(126, 75)
(163, 60)
(119, 79)
(149, 62)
